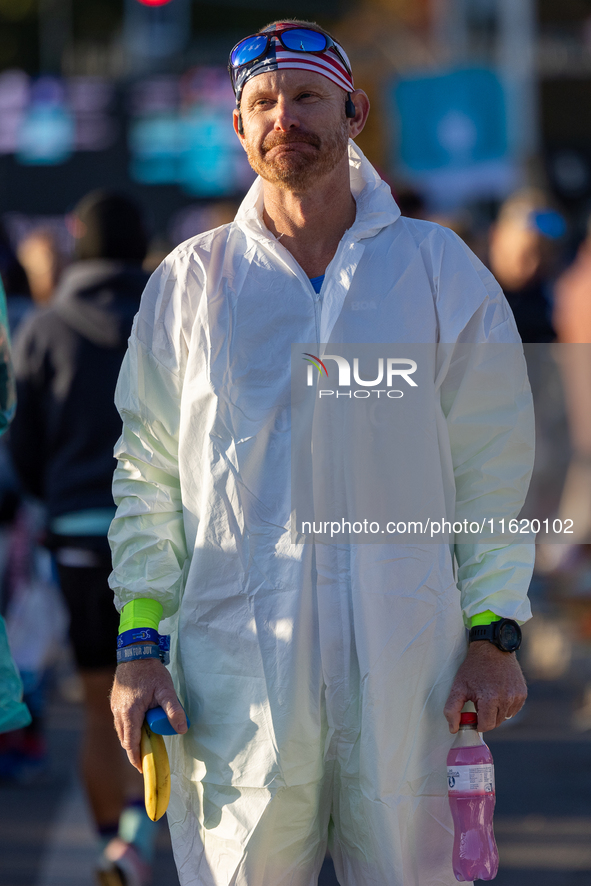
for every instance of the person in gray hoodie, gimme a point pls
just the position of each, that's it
(67, 359)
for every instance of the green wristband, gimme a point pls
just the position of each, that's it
(140, 613)
(484, 618)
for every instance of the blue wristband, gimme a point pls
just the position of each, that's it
(136, 653)
(137, 635)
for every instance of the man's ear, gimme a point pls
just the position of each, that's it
(238, 128)
(361, 102)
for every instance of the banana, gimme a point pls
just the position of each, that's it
(156, 772)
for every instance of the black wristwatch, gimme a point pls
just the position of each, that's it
(506, 634)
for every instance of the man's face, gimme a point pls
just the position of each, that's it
(295, 128)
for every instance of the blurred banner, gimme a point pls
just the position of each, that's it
(180, 133)
(178, 128)
(44, 121)
(452, 135)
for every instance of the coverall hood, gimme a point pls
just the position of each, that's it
(376, 207)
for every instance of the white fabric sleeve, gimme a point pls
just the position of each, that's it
(487, 403)
(147, 534)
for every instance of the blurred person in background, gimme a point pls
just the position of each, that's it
(522, 257)
(572, 562)
(67, 359)
(18, 304)
(572, 321)
(16, 284)
(13, 712)
(43, 261)
(23, 751)
(572, 309)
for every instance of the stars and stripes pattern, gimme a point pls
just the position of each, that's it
(326, 63)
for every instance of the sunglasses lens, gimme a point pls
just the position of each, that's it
(304, 40)
(248, 50)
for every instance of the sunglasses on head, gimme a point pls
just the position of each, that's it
(294, 39)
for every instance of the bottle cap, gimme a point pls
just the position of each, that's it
(159, 722)
(468, 718)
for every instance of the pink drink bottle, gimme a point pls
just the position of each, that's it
(471, 790)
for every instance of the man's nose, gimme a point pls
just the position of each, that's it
(285, 116)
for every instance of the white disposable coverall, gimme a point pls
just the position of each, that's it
(315, 676)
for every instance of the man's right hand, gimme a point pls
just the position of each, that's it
(138, 686)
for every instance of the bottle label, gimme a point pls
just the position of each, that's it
(477, 778)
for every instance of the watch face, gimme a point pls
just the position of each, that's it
(510, 637)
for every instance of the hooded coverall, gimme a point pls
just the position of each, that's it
(315, 676)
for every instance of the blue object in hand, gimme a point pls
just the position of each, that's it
(159, 722)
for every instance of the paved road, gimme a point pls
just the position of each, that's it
(46, 835)
(543, 816)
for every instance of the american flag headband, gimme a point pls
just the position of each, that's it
(287, 48)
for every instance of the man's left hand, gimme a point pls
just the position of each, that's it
(493, 680)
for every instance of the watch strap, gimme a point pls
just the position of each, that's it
(483, 632)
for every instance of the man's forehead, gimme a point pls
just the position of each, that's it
(290, 81)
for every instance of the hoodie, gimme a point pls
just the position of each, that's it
(67, 360)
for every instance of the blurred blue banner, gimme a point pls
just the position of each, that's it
(452, 135)
(451, 119)
(181, 133)
(47, 132)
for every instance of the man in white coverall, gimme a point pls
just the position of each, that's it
(315, 680)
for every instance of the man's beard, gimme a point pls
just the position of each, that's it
(297, 170)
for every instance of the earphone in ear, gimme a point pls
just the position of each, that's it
(350, 109)
(240, 126)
